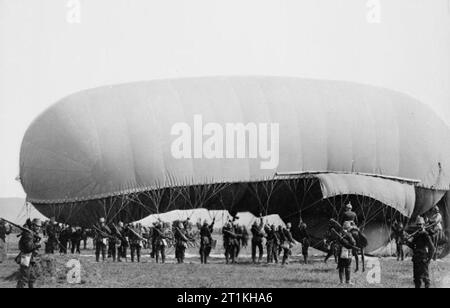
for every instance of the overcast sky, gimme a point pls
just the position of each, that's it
(48, 50)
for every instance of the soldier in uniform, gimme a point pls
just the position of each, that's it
(346, 244)
(52, 233)
(272, 243)
(206, 240)
(113, 244)
(257, 239)
(29, 245)
(84, 237)
(64, 237)
(423, 251)
(237, 242)
(75, 238)
(229, 238)
(436, 230)
(5, 229)
(181, 240)
(122, 250)
(153, 240)
(349, 215)
(399, 235)
(305, 239)
(160, 240)
(135, 238)
(102, 233)
(187, 225)
(287, 242)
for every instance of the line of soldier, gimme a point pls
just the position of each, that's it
(63, 238)
(118, 238)
(423, 243)
(279, 240)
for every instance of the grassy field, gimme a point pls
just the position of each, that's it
(217, 274)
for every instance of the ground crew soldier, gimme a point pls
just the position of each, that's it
(305, 239)
(122, 250)
(436, 229)
(257, 239)
(113, 243)
(287, 242)
(160, 240)
(29, 245)
(5, 229)
(181, 240)
(102, 233)
(75, 238)
(64, 237)
(84, 237)
(272, 243)
(346, 244)
(206, 240)
(399, 235)
(135, 238)
(52, 232)
(349, 215)
(423, 251)
(229, 238)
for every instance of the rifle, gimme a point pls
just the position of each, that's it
(136, 234)
(163, 235)
(121, 236)
(342, 238)
(187, 238)
(21, 228)
(417, 231)
(231, 233)
(103, 233)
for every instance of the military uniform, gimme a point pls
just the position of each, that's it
(64, 238)
(101, 240)
(28, 259)
(229, 238)
(113, 244)
(206, 241)
(181, 240)
(436, 231)
(160, 242)
(305, 240)
(124, 243)
(135, 239)
(423, 251)
(349, 215)
(346, 244)
(52, 233)
(399, 235)
(257, 240)
(286, 240)
(272, 243)
(4, 231)
(75, 239)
